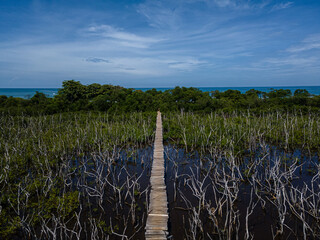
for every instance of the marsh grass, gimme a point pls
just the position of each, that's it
(243, 176)
(234, 175)
(242, 131)
(74, 175)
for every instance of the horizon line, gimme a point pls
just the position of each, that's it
(169, 87)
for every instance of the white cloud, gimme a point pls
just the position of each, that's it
(293, 60)
(304, 47)
(73, 59)
(224, 3)
(186, 64)
(241, 4)
(311, 42)
(312, 38)
(281, 6)
(161, 15)
(122, 37)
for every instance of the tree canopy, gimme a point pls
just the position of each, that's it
(74, 96)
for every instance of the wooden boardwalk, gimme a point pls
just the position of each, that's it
(157, 220)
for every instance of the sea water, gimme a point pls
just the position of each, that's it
(27, 93)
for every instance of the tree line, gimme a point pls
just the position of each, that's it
(74, 96)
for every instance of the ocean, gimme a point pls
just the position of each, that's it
(27, 93)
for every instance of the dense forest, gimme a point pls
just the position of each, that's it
(74, 96)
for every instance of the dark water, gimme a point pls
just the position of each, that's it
(263, 222)
(51, 92)
(112, 211)
(130, 165)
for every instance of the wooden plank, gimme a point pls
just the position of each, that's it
(157, 219)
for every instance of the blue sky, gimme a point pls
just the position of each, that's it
(160, 43)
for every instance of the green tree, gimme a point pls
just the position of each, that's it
(301, 93)
(38, 98)
(93, 90)
(279, 93)
(72, 91)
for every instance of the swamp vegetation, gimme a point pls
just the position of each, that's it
(243, 176)
(71, 176)
(238, 166)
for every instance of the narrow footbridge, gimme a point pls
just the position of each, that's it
(157, 220)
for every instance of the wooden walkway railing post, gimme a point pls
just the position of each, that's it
(157, 220)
